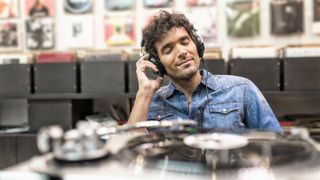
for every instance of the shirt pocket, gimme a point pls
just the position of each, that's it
(160, 114)
(225, 115)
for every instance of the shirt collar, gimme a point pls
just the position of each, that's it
(207, 80)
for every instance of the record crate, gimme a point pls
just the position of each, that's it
(263, 72)
(301, 74)
(62, 112)
(15, 79)
(56, 77)
(216, 66)
(100, 77)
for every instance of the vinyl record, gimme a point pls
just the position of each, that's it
(8, 8)
(207, 27)
(316, 17)
(119, 30)
(243, 18)
(39, 34)
(157, 3)
(9, 35)
(78, 6)
(112, 5)
(78, 32)
(192, 3)
(36, 8)
(286, 17)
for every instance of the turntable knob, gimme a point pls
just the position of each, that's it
(49, 138)
(300, 132)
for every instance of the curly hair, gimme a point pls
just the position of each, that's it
(161, 23)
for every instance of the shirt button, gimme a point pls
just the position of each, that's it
(224, 110)
(159, 116)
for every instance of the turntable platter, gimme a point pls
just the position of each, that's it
(177, 152)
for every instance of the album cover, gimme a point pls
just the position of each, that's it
(78, 6)
(286, 17)
(114, 5)
(39, 8)
(207, 27)
(119, 29)
(39, 33)
(8, 8)
(157, 3)
(192, 3)
(243, 18)
(77, 32)
(9, 36)
(316, 17)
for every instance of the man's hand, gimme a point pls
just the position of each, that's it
(147, 85)
(147, 88)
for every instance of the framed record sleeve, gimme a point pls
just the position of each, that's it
(157, 3)
(207, 27)
(119, 29)
(286, 17)
(316, 17)
(115, 5)
(39, 8)
(193, 3)
(78, 6)
(9, 36)
(40, 34)
(8, 8)
(243, 18)
(77, 32)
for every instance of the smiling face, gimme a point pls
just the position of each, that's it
(178, 54)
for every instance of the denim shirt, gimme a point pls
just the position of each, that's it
(227, 102)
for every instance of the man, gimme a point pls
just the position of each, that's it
(213, 101)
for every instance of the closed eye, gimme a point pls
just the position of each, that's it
(185, 41)
(167, 50)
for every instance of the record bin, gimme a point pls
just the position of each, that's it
(15, 79)
(7, 150)
(62, 112)
(54, 78)
(26, 146)
(264, 72)
(102, 76)
(302, 74)
(216, 66)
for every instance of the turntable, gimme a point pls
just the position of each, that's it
(175, 149)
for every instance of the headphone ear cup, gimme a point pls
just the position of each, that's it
(200, 45)
(160, 67)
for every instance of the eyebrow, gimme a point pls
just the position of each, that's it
(170, 43)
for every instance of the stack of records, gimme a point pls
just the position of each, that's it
(212, 54)
(15, 58)
(253, 52)
(104, 56)
(302, 51)
(56, 57)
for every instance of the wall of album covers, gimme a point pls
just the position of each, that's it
(41, 25)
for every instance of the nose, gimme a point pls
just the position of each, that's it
(182, 53)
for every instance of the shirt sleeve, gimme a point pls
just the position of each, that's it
(258, 113)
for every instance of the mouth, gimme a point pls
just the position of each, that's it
(183, 62)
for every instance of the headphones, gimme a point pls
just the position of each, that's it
(156, 61)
